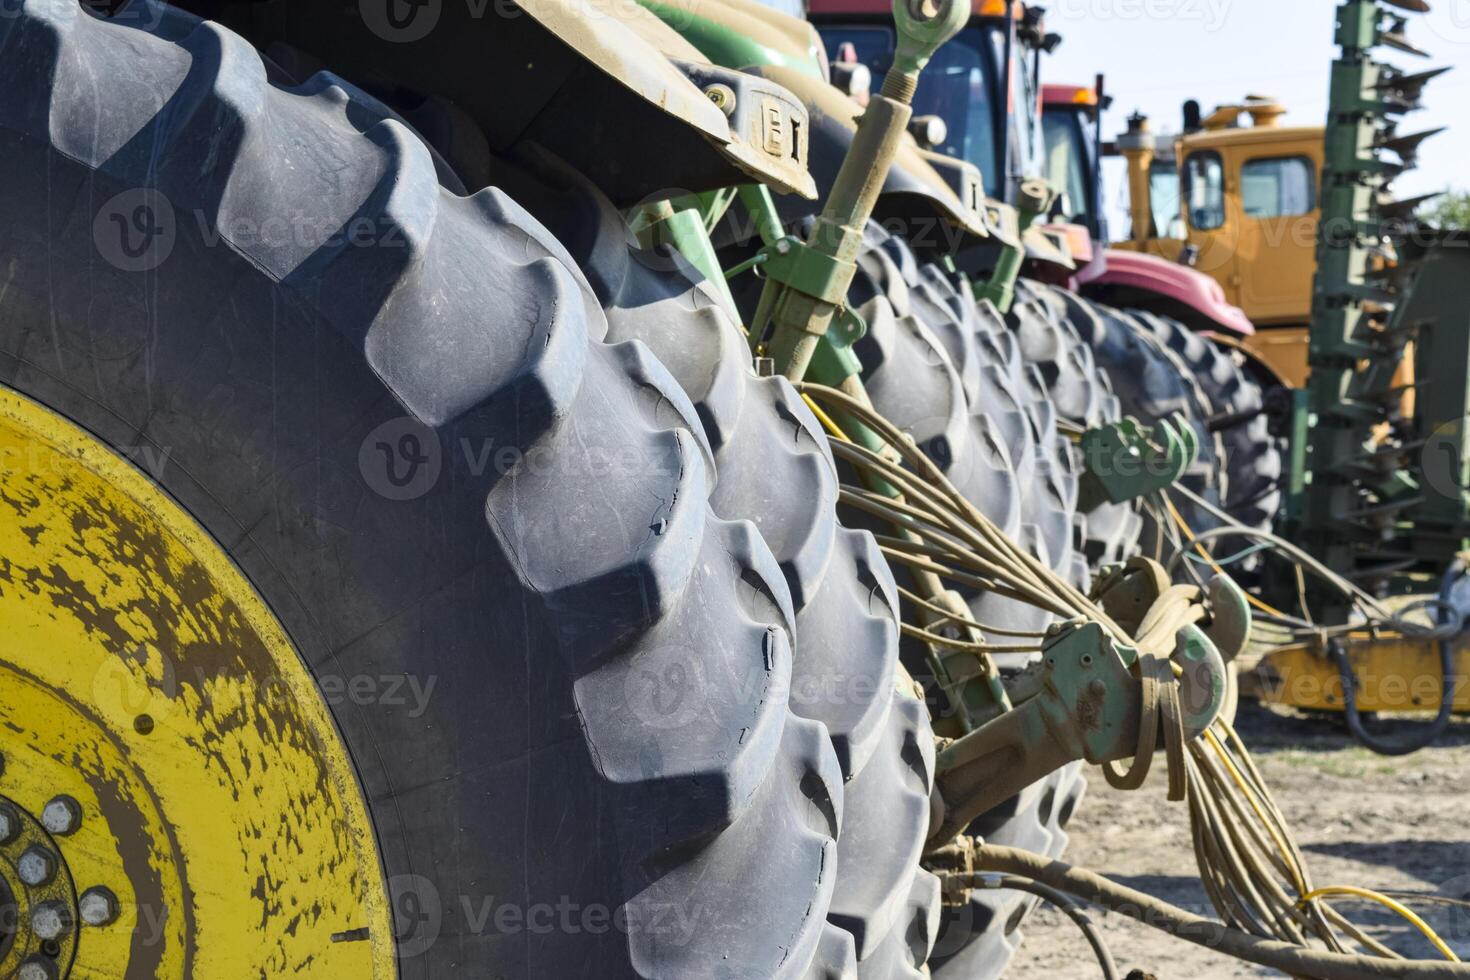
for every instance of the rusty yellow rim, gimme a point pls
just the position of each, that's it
(175, 799)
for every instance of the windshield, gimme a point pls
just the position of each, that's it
(1069, 162)
(956, 86)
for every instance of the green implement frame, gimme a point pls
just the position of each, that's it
(1361, 501)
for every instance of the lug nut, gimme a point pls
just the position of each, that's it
(97, 906)
(50, 920)
(36, 968)
(36, 866)
(9, 824)
(63, 815)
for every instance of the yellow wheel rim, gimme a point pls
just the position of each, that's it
(175, 799)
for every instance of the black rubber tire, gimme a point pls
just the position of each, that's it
(1151, 383)
(774, 468)
(1110, 532)
(1253, 464)
(935, 367)
(558, 557)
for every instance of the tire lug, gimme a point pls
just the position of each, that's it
(62, 815)
(36, 866)
(97, 906)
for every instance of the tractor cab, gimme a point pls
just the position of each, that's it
(1070, 117)
(967, 100)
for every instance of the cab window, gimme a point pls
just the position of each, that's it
(1277, 187)
(1204, 189)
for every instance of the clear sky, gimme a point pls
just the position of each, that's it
(1157, 53)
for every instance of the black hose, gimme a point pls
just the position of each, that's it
(1441, 721)
(1069, 907)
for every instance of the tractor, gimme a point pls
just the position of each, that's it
(535, 490)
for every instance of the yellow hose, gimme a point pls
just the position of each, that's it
(1388, 903)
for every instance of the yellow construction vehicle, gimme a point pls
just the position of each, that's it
(1239, 203)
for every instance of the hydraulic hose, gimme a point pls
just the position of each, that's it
(1293, 960)
(1434, 729)
(1068, 907)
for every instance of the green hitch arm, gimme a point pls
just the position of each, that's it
(807, 282)
(1034, 200)
(1126, 460)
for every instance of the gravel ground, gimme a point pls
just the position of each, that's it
(1362, 819)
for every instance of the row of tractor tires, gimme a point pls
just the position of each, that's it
(957, 381)
(1252, 455)
(1152, 383)
(445, 447)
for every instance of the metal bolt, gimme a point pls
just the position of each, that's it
(98, 906)
(723, 96)
(63, 815)
(9, 824)
(1053, 629)
(783, 246)
(50, 920)
(36, 968)
(36, 866)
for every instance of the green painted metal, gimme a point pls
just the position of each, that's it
(1436, 308)
(1127, 460)
(1355, 494)
(792, 316)
(1081, 701)
(727, 47)
(1034, 199)
(685, 232)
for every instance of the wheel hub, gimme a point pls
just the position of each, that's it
(175, 799)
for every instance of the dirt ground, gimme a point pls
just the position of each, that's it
(1362, 819)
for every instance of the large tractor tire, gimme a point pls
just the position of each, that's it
(391, 447)
(1084, 396)
(774, 469)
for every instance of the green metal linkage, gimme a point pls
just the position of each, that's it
(801, 298)
(1034, 199)
(1126, 460)
(686, 233)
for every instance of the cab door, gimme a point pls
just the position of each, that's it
(1210, 223)
(1276, 256)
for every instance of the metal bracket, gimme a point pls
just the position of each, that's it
(1126, 460)
(1084, 703)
